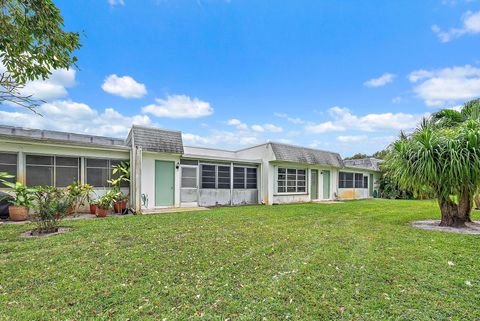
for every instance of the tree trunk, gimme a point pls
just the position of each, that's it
(450, 213)
(465, 206)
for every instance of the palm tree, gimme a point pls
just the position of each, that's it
(440, 159)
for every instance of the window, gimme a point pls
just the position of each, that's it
(291, 180)
(56, 171)
(208, 176)
(99, 171)
(67, 171)
(345, 180)
(8, 164)
(244, 177)
(189, 177)
(365, 181)
(358, 180)
(215, 176)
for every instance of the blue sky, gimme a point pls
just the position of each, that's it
(337, 75)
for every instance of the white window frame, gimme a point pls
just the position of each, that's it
(200, 171)
(354, 179)
(197, 170)
(286, 180)
(245, 179)
(110, 168)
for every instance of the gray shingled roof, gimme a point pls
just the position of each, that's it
(156, 139)
(297, 154)
(58, 137)
(366, 163)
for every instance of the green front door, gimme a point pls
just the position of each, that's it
(326, 185)
(164, 183)
(314, 184)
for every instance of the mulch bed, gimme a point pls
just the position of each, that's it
(433, 225)
(34, 233)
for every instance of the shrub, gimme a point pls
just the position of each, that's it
(50, 205)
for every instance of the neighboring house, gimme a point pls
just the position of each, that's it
(166, 173)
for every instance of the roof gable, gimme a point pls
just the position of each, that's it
(156, 139)
(297, 154)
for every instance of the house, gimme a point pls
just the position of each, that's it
(165, 173)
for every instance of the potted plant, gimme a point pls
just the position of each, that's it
(78, 194)
(122, 174)
(105, 203)
(21, 202)
(93, 206)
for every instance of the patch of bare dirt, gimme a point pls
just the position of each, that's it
(472, 228)
(34, 233)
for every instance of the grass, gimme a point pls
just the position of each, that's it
(358, 260)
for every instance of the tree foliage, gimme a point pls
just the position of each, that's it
(32, 44)
(441, 157)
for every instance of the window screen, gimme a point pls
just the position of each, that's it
(345, 180)
(239, 177)
(67, 171)
(290, 180)
(189, 177)
(99, 171)
(8, 164)
(223, 177)
(39, 170)
(358, 180)
(208, 175)
(365, 181)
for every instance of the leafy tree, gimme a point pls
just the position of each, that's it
(32, 44)
(441, 157)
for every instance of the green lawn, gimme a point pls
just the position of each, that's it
(356, 260)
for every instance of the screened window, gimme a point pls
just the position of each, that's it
(215, 176)
(209, 176)
(67, 171)
(8, 164)
(99, 171)
(365, 181)
(244, 177)
(291, 180)
(56, 171)
(345, 180)
(189, 177)
(358, 180)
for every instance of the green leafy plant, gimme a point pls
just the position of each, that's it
(121, 172)
(79, 195)
(50, 205)
(22, 195)
(105, 202)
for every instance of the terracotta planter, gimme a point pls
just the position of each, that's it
(120, 206)
(18, 213)
(101, 212)
(70, 210)
(93, 209)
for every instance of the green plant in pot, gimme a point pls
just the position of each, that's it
(50, 205)
(105, 203)
(21, 202)
(79, 195)
(121, 172)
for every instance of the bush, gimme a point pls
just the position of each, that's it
(50, 205)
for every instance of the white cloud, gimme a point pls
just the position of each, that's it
(470, 25)
(237, 123)
(380, 81)
(224, 138)
(179, 106)
(293, 120)
(448, 85)
(114, 3)
(70, 116)
(267, 128)
(352, 139)
(125, 86)
(343, 120)
(396, 99)
(52, 88)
